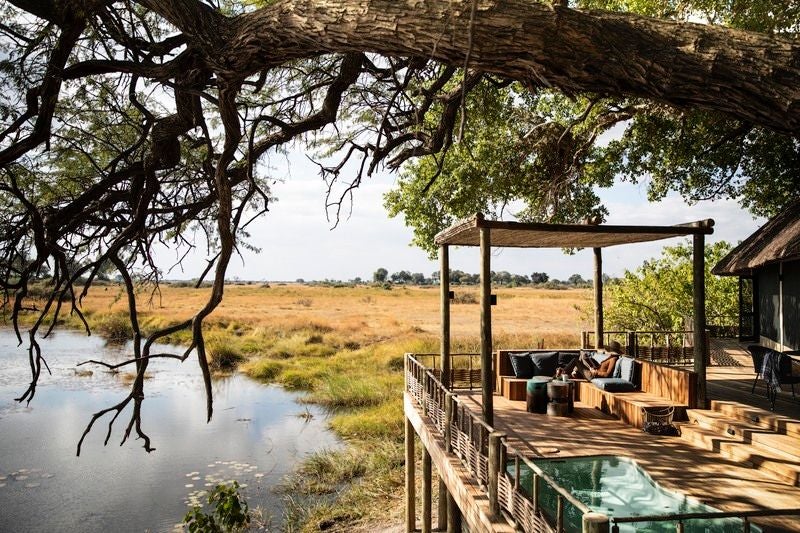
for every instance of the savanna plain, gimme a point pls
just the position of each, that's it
(342, 347)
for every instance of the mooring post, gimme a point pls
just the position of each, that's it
(426, 490)
(411, 517)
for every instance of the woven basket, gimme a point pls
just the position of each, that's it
(658, 415)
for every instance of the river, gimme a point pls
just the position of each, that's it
(257, 435)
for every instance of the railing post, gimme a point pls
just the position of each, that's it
(594, 523)
(495, 454)
(745, 524)
(535, 493)
(679, 527)
(425, 393)
(560, 514)
(448, 422)
(631, 345)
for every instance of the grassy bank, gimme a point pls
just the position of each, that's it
(343, 347)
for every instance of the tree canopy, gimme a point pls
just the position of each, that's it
(543, 155)
(657, 296)
(125, 126)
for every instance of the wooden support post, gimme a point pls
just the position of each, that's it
(559, 514)
(495, 460)
(487, 400)
(453, 515)
(426, 491)
(411, 516)
(595, 523)
(441, 508)
(535, 493)
(444, 285)
(598, 298)
(699, 322)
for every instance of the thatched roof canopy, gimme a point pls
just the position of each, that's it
(539, 235)
(777, 240)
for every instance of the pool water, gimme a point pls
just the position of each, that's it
(617, 486)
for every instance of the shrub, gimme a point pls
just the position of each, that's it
(223, 357)
(230, 512)
(297, 380)
(264, 369)
(115, 327)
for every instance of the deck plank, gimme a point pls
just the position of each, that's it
(673, 462)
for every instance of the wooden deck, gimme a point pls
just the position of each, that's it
(673, 462)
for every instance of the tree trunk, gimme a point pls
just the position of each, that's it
(752, 76)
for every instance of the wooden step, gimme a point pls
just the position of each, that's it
(733, 448)
(786, 447)
(759, 417)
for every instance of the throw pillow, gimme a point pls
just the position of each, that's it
(626, 368)
(545, 363)
(522, 365)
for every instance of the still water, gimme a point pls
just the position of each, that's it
(255, 437)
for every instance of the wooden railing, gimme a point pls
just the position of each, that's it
(496, 467)
(668, 347)
(465, 369)
(682, 520)
(484, 453)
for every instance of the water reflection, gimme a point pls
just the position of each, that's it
(255, 438)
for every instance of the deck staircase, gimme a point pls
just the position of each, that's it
(748, 435)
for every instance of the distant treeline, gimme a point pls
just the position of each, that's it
(459, 277)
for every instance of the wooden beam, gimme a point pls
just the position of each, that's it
(465, 232)
(444, 285)
(699, 321)
(598, 297)
(487, 385)
(411, 514)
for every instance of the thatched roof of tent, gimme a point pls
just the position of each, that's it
(539, 235)
(777, 240)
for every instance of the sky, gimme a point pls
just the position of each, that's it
(296, 239)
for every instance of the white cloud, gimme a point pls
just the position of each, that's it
(297, 241)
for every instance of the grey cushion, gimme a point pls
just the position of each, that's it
(617, 373)
(545, 363)
(613, 384)
(522, 365)
(626, 368)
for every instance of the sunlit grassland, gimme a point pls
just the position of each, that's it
(343, 347)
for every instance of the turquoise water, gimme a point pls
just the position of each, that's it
(616, 486)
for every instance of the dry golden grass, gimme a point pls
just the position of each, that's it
(364, 314)
(344, 348)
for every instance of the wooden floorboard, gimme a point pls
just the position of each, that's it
(673, 462)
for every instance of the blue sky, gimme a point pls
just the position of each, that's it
(296, 240)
